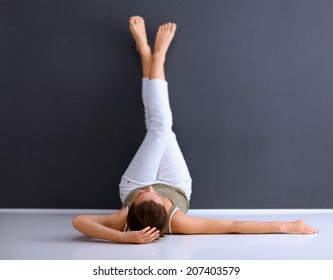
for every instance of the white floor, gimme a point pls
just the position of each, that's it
(48, 234)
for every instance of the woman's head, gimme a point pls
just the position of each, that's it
(147, 209)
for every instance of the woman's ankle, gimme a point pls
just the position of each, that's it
(159, 57)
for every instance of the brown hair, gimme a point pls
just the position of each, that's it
(147, 213)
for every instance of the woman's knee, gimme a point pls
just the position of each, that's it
(162, 125)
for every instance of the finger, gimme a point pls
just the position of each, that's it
(157, 235)
(315, 230)
(153, 236)
(149, 232)
(146, 229)
(311, 230)
(152, 233)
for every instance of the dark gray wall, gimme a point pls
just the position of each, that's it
(250, 85)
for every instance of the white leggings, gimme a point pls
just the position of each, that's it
(159, 158)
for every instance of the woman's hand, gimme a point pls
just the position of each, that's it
(299, 227)
(143, 236)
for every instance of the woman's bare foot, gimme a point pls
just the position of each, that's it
(164, 37)
(299, 227)
(138, 30)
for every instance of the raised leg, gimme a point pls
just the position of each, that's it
(143, 169)
(173, 170)
(138, 30)
(164, 37)
(152, 66)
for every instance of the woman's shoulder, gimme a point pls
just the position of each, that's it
(118, 219)
(122, 213)
(176, 220)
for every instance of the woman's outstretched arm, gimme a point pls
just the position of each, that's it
(110, 228)
(184, 224)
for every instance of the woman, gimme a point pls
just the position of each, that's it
(156, 187)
